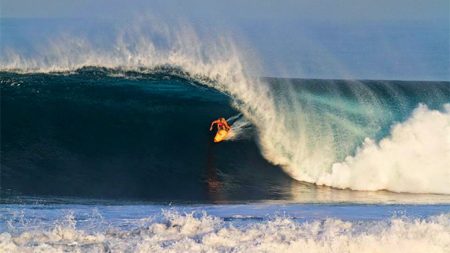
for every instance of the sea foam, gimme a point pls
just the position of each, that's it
(414, 158)
(177, 232)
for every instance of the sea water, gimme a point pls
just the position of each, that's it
(106, 148)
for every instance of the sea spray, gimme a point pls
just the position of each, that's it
(414, 158)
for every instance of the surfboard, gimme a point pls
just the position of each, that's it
(220, 136)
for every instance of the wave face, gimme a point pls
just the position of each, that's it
(138, 136)
(80, 133)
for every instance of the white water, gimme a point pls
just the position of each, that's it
(414, 158)
(315, 144)
(240, 128)
(308, 141)
(177, 232)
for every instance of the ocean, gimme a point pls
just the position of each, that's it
(112, 160)
(105, 147)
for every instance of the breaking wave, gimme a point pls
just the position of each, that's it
(362, 135)
(414, 158)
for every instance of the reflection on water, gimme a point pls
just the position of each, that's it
(264, 183)
(214, 185)
(308, 193)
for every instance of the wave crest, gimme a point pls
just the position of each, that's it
(145, 45)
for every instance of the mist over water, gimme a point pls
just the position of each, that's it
(419, 144)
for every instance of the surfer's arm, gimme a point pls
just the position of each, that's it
(212, 124)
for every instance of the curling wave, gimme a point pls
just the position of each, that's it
(324, 132)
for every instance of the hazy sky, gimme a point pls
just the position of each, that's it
(342, 10)
(384, 39)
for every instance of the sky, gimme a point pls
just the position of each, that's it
(384, 39)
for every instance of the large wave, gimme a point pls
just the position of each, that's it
(332, 133)
(343, 138)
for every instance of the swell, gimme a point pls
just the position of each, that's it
(104, 133)
(81, 132)
(313, 129)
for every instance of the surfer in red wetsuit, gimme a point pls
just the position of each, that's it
(222, 124)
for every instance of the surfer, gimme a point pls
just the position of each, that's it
(222, 124)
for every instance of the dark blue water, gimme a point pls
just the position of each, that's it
(104, 134)
(142, 137)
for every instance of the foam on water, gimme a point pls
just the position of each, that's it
(172, 231)
(316, 142)
(240, 127)
(414, 158)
